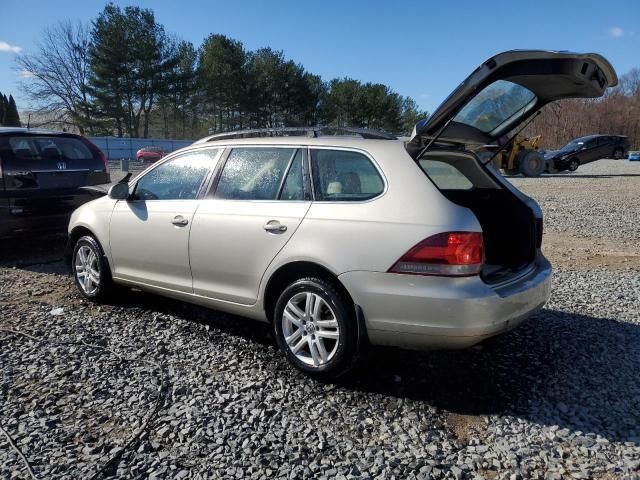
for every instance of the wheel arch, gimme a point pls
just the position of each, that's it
(74, 234)
(288, 273)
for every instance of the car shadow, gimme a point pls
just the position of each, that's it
(537, 372)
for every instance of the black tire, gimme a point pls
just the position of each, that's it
(344, 352)
(618, 153)
(511, 171)
(573, 164)
(531, 163)
(105, 284)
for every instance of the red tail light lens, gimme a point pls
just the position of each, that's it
(96, 151)
(448, 254)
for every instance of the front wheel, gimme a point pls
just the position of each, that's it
(531, 163)
(573, 165)
(90, 269)
(315, 327)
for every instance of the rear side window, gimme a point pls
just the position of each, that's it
(177, 179)
(255, 173)
(48, 148)
(445, 175)
(344, 176)
(455, 172)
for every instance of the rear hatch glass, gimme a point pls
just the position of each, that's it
(50, 162)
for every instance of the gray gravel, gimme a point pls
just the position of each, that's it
(558, 397)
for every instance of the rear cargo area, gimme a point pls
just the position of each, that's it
(510, 230)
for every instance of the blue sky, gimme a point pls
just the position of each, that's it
(422, 49)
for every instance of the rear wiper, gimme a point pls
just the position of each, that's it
(508, 142)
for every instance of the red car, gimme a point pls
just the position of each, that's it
(150, 154)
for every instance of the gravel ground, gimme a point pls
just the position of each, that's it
(151, 388)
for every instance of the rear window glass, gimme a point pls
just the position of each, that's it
(498, 103)
(53, 148)
(340, 175)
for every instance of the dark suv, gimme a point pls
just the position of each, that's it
(40, 175)
(587, 149)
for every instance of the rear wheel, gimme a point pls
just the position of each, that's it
(315, 327)
(531, 163)
(573, 164)
(618, 153)
(90, 269)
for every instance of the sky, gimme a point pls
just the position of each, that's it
(421, 49)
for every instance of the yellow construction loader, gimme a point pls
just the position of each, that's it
(522, 156)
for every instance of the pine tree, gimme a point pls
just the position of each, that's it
(13, 118)
(2, 110)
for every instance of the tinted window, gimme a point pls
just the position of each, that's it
(54, 148)
(445, 176)
(496, 104)
(177, 179)
(254, 173)
(340, 175)
(293, 187)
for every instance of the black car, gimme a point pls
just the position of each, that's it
(41, 173)
(587, 149)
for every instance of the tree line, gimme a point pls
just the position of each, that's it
(124, 74)
(9, 116)
(616, 113)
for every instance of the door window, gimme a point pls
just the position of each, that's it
(177, 179)
(340, 175)
(293, 186)
(256, 174)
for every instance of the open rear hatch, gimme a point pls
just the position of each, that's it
(496, 98)
(507, 89)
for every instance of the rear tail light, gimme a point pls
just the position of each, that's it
(447, 254)
(96, 151)
(103, 157)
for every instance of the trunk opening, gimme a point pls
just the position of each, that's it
(509, 225)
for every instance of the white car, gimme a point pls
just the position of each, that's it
(341, 240)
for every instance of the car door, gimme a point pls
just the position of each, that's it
(149, 233)
(256, 205)
(590, 151)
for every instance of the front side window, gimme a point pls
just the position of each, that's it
(340, 175)
(177, 179)
(495, 105)
(254, 173)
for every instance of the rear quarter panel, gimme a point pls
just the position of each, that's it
(372, 235)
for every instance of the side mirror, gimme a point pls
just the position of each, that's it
(120, 191)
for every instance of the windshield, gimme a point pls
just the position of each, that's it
(496, 104)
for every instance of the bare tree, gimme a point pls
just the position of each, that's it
(56, 74)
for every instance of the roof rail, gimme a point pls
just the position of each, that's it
(297, 131)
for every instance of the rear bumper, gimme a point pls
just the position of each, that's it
(422, 312)
(39, 212)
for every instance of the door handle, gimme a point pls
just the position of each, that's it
(180, 221)
(274, 226)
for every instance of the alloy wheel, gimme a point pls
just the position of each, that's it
(310, 329)
(87, 269)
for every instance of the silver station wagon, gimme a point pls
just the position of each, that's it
(340, 240)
